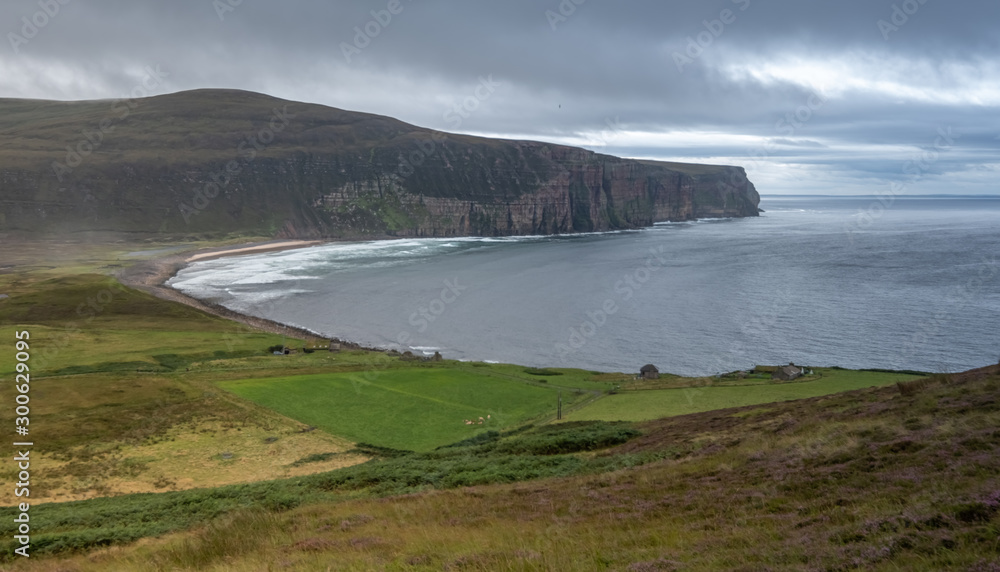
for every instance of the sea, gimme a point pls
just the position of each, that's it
(905, 283)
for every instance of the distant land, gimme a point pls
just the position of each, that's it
(212, 163)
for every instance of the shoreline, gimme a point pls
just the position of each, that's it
(151, 276)
(252, 248)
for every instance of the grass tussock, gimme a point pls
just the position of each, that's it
(912, 388)
(234, 536)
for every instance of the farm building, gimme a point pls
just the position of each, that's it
(788, 372)
(649, 371)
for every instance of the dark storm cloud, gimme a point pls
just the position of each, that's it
(779, 86)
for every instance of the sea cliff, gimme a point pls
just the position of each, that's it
(215, 162)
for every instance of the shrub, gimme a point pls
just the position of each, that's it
(480, 439)
(171, 361)
(569, 438)
(539, 371)
(314, 458)
(378, 451)
(911, 388)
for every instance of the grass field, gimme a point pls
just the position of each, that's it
(865, 480)
(412, 409)
(121, 392)
(644, 405)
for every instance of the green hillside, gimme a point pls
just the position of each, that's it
(211, 163)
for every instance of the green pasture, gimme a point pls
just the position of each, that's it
(645, 405)
(414, 409)
(563, 378)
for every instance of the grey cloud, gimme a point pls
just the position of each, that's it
(605, 60)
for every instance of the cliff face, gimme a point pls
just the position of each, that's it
(213, 162)
(580, 192)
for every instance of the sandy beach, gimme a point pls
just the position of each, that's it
(253, 248)
(151, 276)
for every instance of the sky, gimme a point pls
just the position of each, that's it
(810, 96)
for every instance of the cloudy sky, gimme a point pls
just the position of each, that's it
(848, 97)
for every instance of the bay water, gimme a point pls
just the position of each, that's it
(857, 282)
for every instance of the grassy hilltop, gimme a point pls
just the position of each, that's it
(209, 163)
(170, 439)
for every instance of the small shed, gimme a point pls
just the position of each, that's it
(788, 372)
(334, 346)
(649, 371)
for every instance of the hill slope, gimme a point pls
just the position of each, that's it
(211, 162)
(874, 479)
